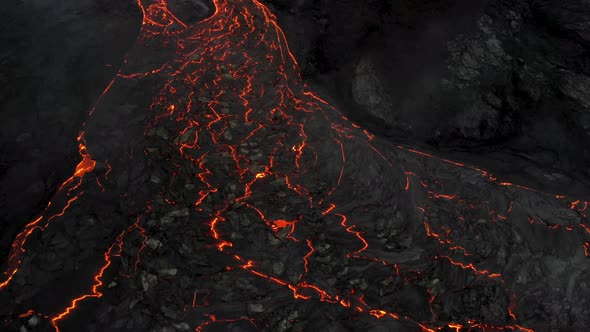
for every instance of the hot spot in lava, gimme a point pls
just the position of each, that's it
(217, 191)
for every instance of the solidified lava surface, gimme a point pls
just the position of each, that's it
(217, 192)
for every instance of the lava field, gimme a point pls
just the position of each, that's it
(215, 190)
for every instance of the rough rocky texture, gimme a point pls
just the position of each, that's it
(214, 190)
(57, 59)
(489, 78)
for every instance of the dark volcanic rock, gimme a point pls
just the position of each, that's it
(190, 11)
(228, 196)
(480, 76)
(56, 60)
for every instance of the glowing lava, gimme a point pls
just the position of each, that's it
(250, 139)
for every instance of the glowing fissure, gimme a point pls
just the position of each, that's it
(233, 92)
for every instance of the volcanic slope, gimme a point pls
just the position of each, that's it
(216, 191)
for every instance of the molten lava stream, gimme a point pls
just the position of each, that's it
(248, 155)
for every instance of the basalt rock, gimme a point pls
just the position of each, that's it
(485, 76)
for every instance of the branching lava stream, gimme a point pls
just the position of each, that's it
(238, 183)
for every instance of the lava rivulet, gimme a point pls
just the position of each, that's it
(243, 156)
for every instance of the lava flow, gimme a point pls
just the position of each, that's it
(253, 202)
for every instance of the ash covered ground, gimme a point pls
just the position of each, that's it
(244, 165)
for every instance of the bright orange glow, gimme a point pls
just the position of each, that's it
(254, 157)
